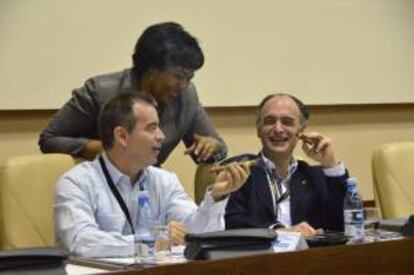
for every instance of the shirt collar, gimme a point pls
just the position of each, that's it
(270, 166)
(117, 176)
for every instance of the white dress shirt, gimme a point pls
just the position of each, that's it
(89, 221)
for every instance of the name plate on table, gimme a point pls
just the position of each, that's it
(289, 241)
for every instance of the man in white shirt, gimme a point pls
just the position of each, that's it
(90, 221)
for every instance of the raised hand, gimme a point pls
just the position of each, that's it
(203, 147)
(319, 148)
(230, 179)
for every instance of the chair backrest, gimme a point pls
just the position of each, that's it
(27, 195)
(203, 178)
(393, 174)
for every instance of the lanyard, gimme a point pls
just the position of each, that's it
(276, 190)
(116, 193)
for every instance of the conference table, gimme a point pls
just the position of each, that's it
(384, 257)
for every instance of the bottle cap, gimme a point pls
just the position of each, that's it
(351, 182)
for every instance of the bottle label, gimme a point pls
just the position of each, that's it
(143, 198)
(144, 248)
(354, 223)
(144, 243)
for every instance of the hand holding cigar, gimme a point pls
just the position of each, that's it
(319, 148)
(305, 139)
(247, 163)
(230, 177)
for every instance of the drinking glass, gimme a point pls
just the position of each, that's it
(371, 218)
(371, 224)
(162, 246)
(152, 245)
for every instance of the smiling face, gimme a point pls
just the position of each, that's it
(167, 84)
(278, 126)
(143, 143)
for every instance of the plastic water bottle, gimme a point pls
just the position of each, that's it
(144, 237)
(353, 213)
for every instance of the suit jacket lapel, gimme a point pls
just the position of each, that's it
(298, 195)
(263, 192)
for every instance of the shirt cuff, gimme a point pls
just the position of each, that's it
(215, 206)
(336, 171)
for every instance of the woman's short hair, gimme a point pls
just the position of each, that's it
(166, 45)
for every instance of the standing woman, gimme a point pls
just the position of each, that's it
(164, 62)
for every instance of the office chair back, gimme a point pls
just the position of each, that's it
(203, 178)
(393, 175)
(27, 195)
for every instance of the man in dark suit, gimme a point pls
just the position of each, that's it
(285, 193)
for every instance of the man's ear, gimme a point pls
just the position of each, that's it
(121, 136)
(303, 127)
(258, 131)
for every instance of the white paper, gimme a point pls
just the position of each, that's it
(289, 241)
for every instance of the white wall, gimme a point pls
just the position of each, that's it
(324, 51)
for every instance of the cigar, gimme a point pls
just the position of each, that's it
(305, 139)
(248, 163)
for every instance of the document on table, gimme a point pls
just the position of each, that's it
(176, 256)
(289, 241)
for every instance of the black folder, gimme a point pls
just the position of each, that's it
(229, 243)
(44, 260)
